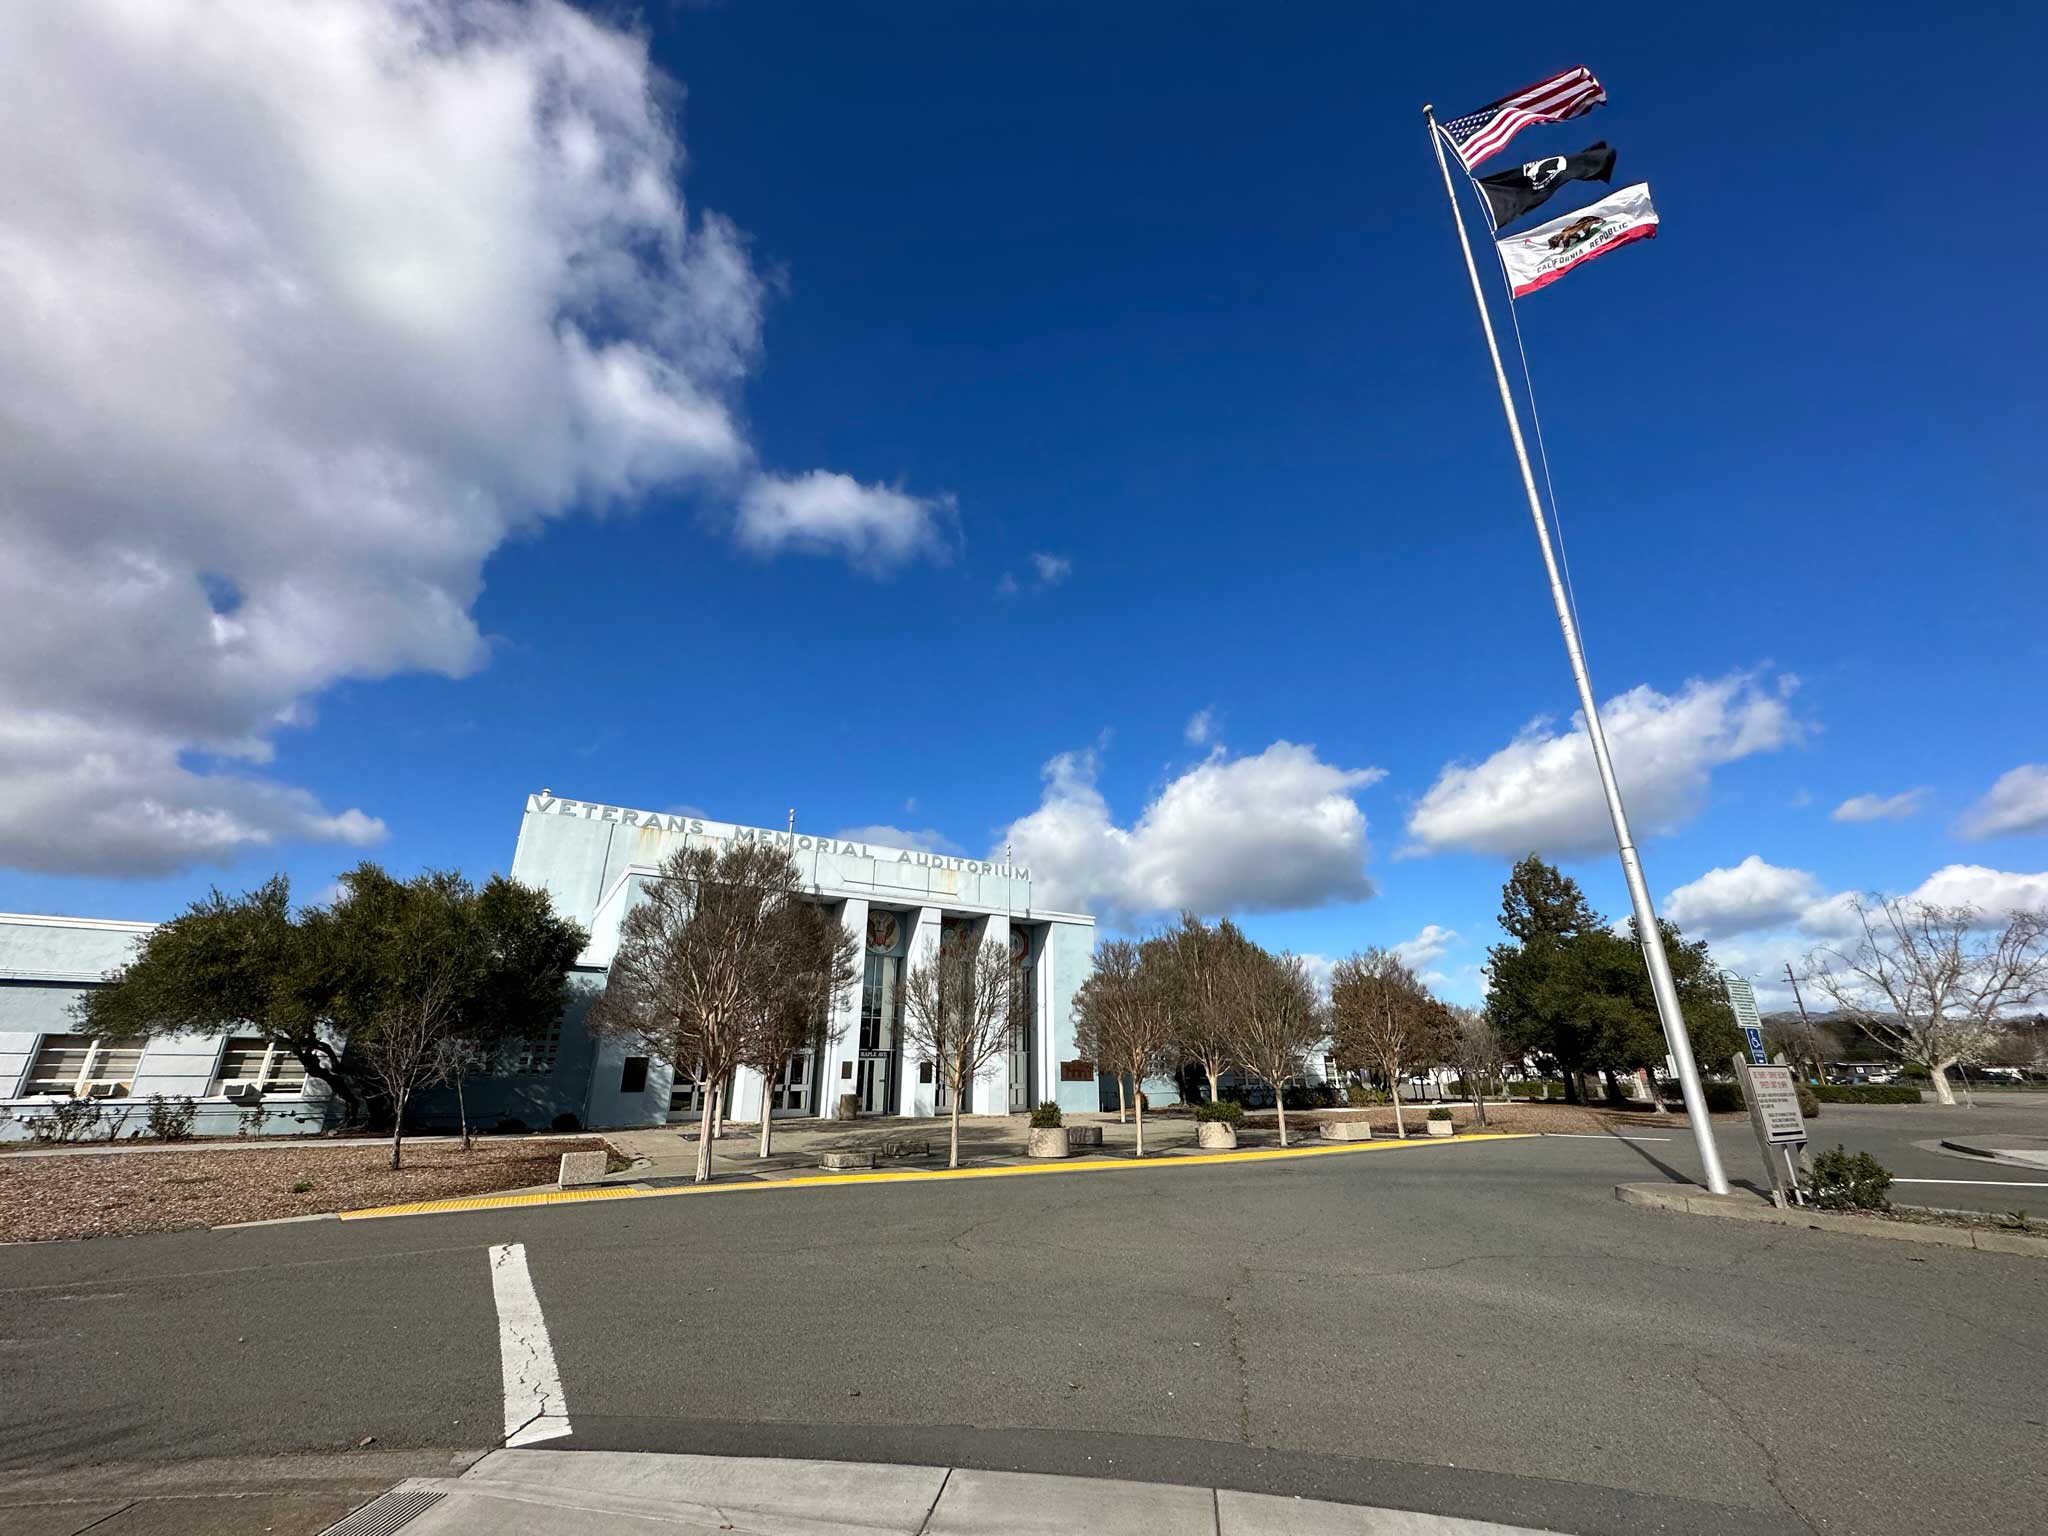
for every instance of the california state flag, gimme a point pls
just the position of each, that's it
(1548, 251)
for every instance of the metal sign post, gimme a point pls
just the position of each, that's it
(1772, 1094)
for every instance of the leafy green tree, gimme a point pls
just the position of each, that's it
(485, 966)
(1570, 988)
(1545, 995)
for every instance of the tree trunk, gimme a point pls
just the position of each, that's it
(1572, 1095)
(718, 1111)
(1215, 1093)
(767, 1116)
(1937, 1076)
(352, 1112)
(704, 1139)
(1139, 1106)
(953, 1144)
(1280, 1104)
(1394, 1086)
(462, 1110)
(1119, 1098)
(398, 1137)
(1479, 1100)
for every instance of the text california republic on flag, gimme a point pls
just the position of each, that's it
(1544, 254)
(1478, 135)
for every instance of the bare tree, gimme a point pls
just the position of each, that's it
(1384, 1019)
(1930, 981)
(1475, 1046)
(956, 1015)
(693, 954)
(408, 1050)
(808, 958)
(1203, 1020)
(459, 1059)
(1277, 1020)
(1123, 1014)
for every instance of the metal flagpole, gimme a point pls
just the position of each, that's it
(1654, 958)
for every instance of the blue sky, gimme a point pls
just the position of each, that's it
(1143, 346)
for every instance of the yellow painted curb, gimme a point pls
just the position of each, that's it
(912, 1176)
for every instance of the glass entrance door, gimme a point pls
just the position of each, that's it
(791, 1091)
(1023, 1014)
(881, 1013)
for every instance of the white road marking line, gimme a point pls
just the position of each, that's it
(1993, 1183)
(534, 1406)
(1599, 1136)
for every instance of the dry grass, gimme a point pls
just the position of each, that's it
(119, 1194)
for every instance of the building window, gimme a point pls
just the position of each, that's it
(252, 1060)
(75, 1064)
(533, 1056)
(881, 1003)
(633, 1075)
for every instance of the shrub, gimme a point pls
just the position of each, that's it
(171, 1119)
(1439, 1113)
(1228, 1111)
(565, 1122)
(1850, 1181)
(510, 1125)
(303, 1187)
(1867, 1093)
(1046, 1117)
(1722, 1097)
(1809, 1106)
(67, 1120)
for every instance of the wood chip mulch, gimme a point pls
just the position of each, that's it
(120, 1194)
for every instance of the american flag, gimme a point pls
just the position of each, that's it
(1486, 132)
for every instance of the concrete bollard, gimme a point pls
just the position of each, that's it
(846, 1162)
(580, 1168)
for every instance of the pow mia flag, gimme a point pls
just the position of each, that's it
(1510, 194)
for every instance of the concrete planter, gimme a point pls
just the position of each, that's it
(1217, 1135)
(1442, 1128)
(1084, 1135)
(849, 1107)
(1046, 1141)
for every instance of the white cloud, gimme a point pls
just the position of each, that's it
(2018, 802)
(305, 310)
(1277, 831)
(1994, 892)
(1318, 968)
(873, 526)
(1052, 569)
(1006, 584)
(1427, 947)
(1542, 791)
(1881, 807)
(924, 840)
(1751, 895)
(1201, 727)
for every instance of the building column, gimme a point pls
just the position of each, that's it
(838, 1071)
(992, 1089)
(914, 1097)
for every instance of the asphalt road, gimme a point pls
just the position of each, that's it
(1904, 1136)
(1478, 1330)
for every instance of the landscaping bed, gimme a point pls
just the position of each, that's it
(1519, 1117)
(121, 1194)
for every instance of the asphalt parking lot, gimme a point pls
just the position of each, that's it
(1476, 1329)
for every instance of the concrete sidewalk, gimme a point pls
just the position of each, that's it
(582, 1493)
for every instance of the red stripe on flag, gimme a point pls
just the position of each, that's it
(1638, 232)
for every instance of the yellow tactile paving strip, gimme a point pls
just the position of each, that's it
(913, 1176)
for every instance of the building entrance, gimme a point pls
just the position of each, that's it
(790, 1094)
(881, 1014)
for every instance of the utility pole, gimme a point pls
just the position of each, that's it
(1795, 995)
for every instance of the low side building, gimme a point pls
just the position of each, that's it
(594, 860)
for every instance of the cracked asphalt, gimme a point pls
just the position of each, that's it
(1478, 1330)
